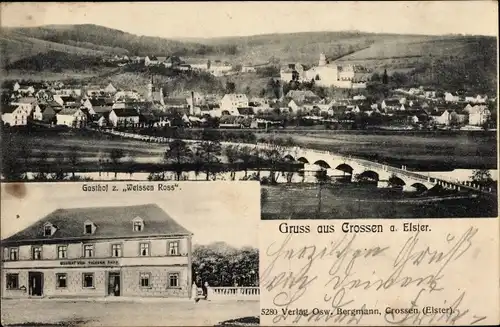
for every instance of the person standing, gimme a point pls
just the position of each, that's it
(204, 287)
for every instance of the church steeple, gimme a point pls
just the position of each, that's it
(322, 60)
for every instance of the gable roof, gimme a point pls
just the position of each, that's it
(8, 109)
(126, 112)
(97, 101)
(246, 111)
(111, 222)
(26, 100)
(68, 111)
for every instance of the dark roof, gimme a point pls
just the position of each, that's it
(68, 98)
(245, 111)
(8, 109)
(175, 102)
(110, 222)
(392, 102)
(126, 112)
(102, 109)
(98, 101)
(68, 111)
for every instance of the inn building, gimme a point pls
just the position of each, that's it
(132, 251)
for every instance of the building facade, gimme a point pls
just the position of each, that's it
(132, 251)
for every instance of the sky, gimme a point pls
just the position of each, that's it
(213, 212)
(216, 19)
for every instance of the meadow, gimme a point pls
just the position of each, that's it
(346, 201)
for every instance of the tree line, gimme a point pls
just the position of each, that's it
(205, 155)
(221, 265)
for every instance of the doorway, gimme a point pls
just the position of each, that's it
(114, 287)
(35, 283)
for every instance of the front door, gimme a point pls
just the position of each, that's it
(35, 283)
(114, 287)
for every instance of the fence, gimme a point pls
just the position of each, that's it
(234, 293)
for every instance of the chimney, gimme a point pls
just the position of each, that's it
(191, 109)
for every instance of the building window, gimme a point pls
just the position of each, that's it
(88, 280)
(47, 231)
(61, 281)
(36, 253)
(173, 280)
(116, 250)
(62, 252)
(88, 228)
(88, 250)
(173, 248)
(13, 254)
(144, 249)
(144, 279)
(12, 281)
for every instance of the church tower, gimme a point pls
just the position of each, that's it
(322, 60)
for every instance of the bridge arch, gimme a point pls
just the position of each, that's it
(289, 158)
(303, 160)
(345, 168)
(322, 164)
(419, 187)
(396, 181)
(370, 174)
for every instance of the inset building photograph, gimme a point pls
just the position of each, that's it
(111, 253)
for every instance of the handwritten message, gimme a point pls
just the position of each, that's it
(429, 276)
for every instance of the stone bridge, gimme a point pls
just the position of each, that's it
(315, 160)
(357, 168)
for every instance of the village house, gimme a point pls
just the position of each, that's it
(449, 97)
(75, 92)
(390, 105)
(25, 90)
(218, 68)
(293, 72)
(248, 69)
(441, 117)
(71, 117)
(28, 103)
(150, 61)
(110, 89)
(131, 251)
(126, 95)
(14, 115)
(479, 115)
(231, 102)
(124, 117)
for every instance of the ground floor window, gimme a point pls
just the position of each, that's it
(173, 280)
(61, 280)
(12, 281)
(145, 278)
(88, 280)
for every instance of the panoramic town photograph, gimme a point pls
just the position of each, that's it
(138, 259)
(359, 116)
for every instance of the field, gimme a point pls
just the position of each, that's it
(15, 46)
(423, 151)
(79, 313)
(90, 145)
(363, 201)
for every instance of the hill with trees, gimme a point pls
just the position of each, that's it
(100, 39)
